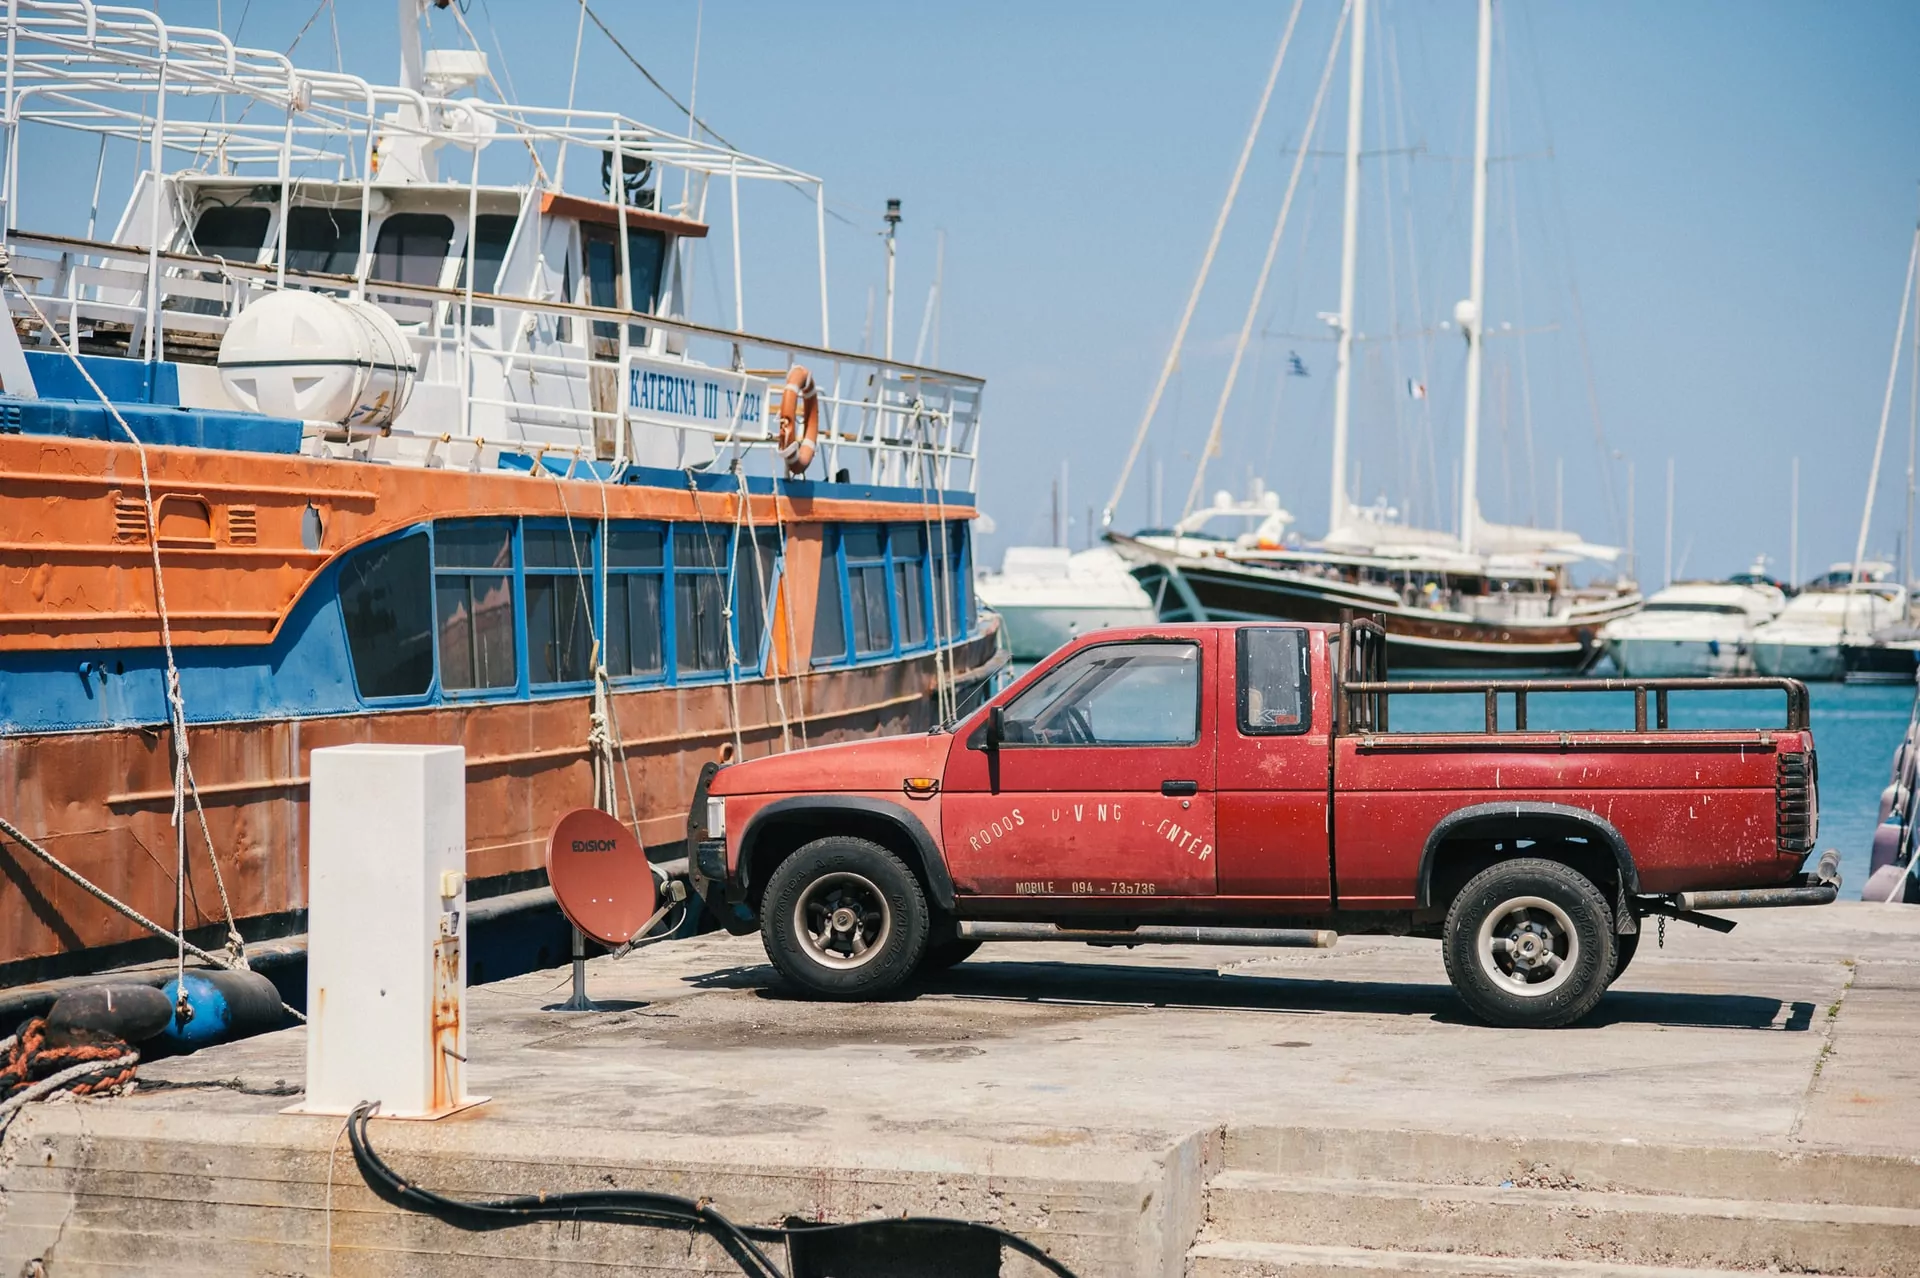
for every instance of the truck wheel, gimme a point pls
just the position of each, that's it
(843, 918)
(1624, 946)
(1529, 944)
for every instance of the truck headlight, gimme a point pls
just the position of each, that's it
(716, 818)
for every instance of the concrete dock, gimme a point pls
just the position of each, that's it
(1742, 1102)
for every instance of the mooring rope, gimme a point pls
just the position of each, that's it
(176, 702)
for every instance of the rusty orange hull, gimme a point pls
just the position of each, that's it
(103, 800)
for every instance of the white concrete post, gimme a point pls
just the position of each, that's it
(386, 931)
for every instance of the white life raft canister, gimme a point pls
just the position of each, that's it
(318, 358)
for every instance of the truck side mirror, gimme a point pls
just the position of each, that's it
(996, 733)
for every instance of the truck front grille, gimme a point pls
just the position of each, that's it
(1794, 820)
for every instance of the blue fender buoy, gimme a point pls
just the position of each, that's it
(221, 1005)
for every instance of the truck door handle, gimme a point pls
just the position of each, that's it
(1175, 789)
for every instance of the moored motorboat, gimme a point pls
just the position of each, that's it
(1045, 595)
(1694, 629)
(1888, 655)
(1805, 641)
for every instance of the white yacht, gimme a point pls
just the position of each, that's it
(1046, 595)
(1805, 640)
(1693, 629)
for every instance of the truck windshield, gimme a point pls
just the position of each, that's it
(1113, 694)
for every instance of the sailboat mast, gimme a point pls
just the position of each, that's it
(1476, 322)
(1349, 259)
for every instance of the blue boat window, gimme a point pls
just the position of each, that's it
(323, 240)
(829, 620)
(700, 598)
(636, 572)
(492, 234)
(412, 247)
(958, 583)
(752, 589)
(867, 590)
(384, 602)
(473, 603)
(235, 233)
(560, 583)
(909, 546)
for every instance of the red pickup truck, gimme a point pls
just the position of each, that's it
(1240, 784)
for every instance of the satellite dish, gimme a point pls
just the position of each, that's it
(600, 876)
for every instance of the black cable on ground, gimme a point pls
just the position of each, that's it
(634, 1207)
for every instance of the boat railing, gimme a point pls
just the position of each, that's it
(250, 116)
(912, 426)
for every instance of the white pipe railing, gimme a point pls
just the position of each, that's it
(895, 418)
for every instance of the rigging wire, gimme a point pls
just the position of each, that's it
(1206, 263)
(1886, 404)
(1394, 388)
(1212, 447)
(176, 703)
(1573, 291)
(1519, 275)
(1425, 347)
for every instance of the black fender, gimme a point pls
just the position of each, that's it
(831, 811)
(1601, 830)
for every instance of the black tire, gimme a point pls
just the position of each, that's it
(1625, 945)
(844, 919)
(947, 953)
(1529, 944)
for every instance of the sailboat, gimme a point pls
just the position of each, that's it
(1495, 596)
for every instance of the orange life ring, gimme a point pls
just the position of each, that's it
(799, 414)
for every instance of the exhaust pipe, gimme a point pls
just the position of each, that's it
(1818, 888)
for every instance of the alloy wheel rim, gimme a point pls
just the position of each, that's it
(843, 920)
(1528, 946)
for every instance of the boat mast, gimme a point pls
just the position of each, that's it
(1476, 305)
(1886, 405)
(1349, 257)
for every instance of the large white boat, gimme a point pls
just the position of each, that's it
(1046, 595)
(1805, 641)
(1692, 629)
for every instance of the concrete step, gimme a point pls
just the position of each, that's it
(1292, 1260)
(1565, 1224)
(1622, 1166)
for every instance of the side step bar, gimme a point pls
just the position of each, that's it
(1277, 937)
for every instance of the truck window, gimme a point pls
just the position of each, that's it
(1113, 694)
(1273, 681)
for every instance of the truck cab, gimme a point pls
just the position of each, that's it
(1241, 784)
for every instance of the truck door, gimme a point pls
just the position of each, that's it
(1276, 722)
(1104, 784)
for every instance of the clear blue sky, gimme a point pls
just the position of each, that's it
(1732, 187)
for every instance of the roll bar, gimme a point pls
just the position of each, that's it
(1362, 689)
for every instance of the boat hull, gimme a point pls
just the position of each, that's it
(1034, 630)
(1817, 661)
(1879, 663)
(1416, 639)
(1680, 658)
(101, 800)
